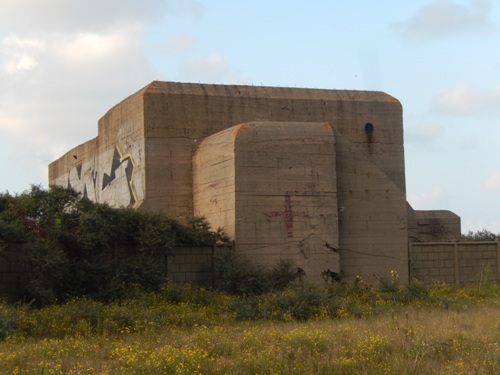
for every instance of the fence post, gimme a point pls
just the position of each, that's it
(455, 263)
(410, 253)
(498, 260)
(213, 265)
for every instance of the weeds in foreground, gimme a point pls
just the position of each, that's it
(341, 329)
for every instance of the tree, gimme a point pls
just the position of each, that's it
(72, 246)
(480, 235)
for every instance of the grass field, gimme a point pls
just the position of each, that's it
(334, 329)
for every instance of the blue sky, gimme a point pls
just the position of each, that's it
(64, 63)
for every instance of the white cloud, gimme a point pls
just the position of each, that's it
(71, 71)
(427, 200)
(88, 48)
(492, 183)
(20, 54)
(178, 44)
(19, 63)
(62, 66)
(442, 18)
(87, 16)
(463, 99)
(424, 133)
(211, 68)
(30, 43)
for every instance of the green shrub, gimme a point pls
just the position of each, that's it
(282, 275)
(298, 302)
(247, 308)
(198, 231)
(417, 290)
(235, 274)
(9, 320)
(187, 306)
(480, 235)
(187, 293)
(132, 275)
(72, 247)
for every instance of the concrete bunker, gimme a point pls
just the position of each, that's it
(313, 175)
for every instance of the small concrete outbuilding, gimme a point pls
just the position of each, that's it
(316, 176)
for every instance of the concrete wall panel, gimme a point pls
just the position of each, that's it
(459, 263)
(193, 112)
(169, 176)
(286, 206)
(373, 216)
(272, 187)
(110, 168)
(214, 181)
(109, 176)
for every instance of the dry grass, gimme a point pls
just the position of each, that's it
(415, 338)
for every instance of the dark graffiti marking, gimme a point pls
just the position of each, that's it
(93, 185)
(288, 215)
(79, 171)
(117, 162)
(88, 184)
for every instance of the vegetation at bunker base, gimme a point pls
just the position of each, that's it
(259, 321)
(185, 330)
(72, 247)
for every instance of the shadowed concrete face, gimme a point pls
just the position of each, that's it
(305, 171)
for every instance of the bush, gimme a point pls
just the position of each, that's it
(73, 247)
(282, 275)
(236, 274)
(417, 290)
(297, 303)
(9, 320)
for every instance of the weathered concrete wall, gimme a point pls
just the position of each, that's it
(168, 114)
(214, 188)
(188, 113)
(372, 213)
(286, 194)
(161, 126)
(459, 263)
(437, 225)
(111, 167)
(273, 186)
(169, 176)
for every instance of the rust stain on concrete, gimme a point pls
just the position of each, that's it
(288, 215)
(393, 99)
(240, 129)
